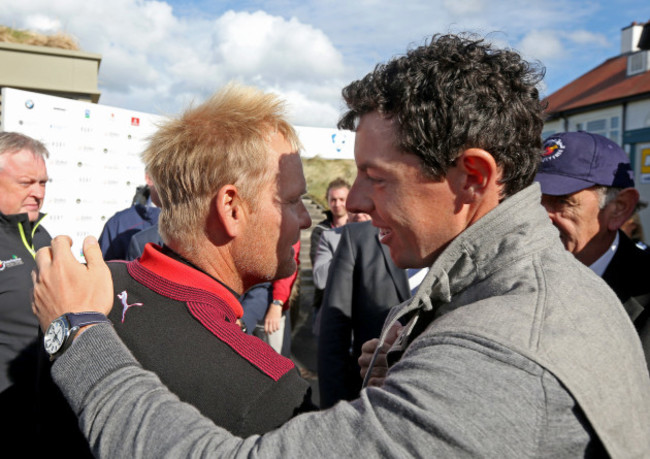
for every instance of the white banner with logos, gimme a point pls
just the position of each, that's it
(94, 164)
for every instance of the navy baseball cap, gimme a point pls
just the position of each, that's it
(573, 161)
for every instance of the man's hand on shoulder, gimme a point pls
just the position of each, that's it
(63, 285)
(380, 367)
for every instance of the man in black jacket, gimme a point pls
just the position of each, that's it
(222, 221)
(23, 176)
(588, 192)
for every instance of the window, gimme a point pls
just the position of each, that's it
(596, 126)
(607, 127)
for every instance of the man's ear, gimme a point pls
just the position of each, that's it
(479, 174)
(621, 208)
(231, 210)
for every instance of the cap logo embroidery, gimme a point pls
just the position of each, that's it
(553, 149)
(125, 305)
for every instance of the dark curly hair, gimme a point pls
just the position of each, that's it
(457, 92)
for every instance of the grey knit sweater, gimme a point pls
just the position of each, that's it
(531, 355)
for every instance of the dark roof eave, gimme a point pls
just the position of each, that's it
(585, 108)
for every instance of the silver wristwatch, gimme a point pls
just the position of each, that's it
(61, 332)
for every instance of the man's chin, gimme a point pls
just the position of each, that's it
(409, 261)
(286, 269)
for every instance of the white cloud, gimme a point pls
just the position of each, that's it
(307, 112)
(542, 45)
(155, 59)
(41, 23)
(249, 44)
(584, 37)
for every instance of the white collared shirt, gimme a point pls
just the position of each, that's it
(599, 266)
(416, 276)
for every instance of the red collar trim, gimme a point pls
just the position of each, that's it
(157, 262)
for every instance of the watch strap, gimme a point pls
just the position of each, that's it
(81, 319)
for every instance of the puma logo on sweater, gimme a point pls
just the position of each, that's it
(125, 305)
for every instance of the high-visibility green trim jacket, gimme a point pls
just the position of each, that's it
(19, 241)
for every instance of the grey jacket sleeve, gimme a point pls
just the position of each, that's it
(313, 242)
(322, 261)
(451, 398)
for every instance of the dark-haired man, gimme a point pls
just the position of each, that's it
(335, 217)
(512, 348)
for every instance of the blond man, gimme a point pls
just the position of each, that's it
(221, 173)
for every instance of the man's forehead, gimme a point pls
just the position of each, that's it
(575, 198)
(388, 163)
(22, 159)
(376, 144)
(338, 190)
(280, 145)
(290, 167)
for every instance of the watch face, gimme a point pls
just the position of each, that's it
(55, 336)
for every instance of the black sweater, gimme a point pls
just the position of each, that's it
(181, 324)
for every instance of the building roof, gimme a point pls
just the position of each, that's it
(606, 83)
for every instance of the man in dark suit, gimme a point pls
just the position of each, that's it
(362, 286)
(588, 192)
(628, 275)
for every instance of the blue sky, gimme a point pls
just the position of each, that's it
(158, 56)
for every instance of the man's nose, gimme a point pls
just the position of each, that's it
(305, 218)
(38, 191)
(358, 199)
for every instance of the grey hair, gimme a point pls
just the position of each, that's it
(606, 194)
(11, 142)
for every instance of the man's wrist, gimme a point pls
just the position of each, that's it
(277, 303)
(62, 331)
(81, 330)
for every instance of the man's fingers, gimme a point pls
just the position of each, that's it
(43, 257)
(92, 252)
(393, 333)
(61, 248)
(271, 326)
(369, 346)
(364, 359)
(34, 281)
